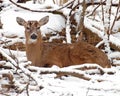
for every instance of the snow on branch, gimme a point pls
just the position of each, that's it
(106, 23)
(18, 68)
(8, 57)
(81, 71)
(68, 36)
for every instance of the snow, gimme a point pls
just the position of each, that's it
(64, 86)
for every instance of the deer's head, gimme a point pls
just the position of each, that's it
(32, 28)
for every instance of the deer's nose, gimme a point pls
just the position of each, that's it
(33, 36)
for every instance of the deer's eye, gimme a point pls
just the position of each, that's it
(38, 28)
(28, 28)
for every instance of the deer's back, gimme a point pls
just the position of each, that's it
(64, 55)
(85, 53)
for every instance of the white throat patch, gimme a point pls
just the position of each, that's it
(30, 41)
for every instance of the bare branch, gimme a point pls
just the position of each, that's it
(47, 11)
(115, 16)
(102, 13)
(80, 26)
(99, 4)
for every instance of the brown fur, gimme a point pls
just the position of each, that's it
(47, 54)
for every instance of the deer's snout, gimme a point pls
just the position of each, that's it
(33, 36)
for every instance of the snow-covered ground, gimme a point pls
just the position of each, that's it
(98, 85)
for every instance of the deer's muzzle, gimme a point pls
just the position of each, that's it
(33, 36)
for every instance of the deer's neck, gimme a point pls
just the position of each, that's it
(34, 52)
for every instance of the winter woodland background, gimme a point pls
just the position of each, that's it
(94, 21)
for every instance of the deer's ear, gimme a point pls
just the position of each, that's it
(44, 20)
(20, 21)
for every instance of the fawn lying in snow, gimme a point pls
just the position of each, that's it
(47, 54)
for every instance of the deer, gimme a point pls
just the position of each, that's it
(47, 54)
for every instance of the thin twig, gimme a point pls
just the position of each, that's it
(101, 3)
(27, 88)
(102, 13)
(115, 16)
